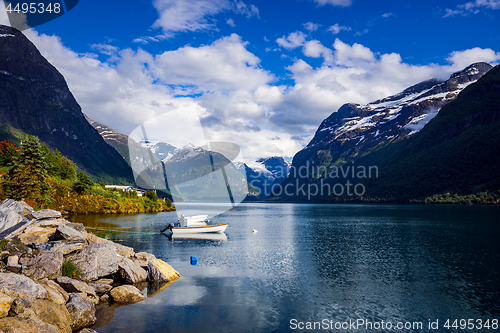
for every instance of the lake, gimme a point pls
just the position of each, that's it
(327, 265)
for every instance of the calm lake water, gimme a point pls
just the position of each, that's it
(314, 263)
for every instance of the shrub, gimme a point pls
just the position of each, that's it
(70, 270)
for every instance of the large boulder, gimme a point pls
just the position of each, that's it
(65, 247)
(20, 286)
(96, 260)
(126, 294)
(55, 293)
(24, 324)
(142, 258)
(160, 271)
(75, 286)
(64, 232)
(122, 250)
(5, 303)
(129, 272)
(81, 311)
(42, 264)
(13, 212)
(46, 214)
(46, 311)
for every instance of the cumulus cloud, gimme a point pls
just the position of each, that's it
(235, 96)
(461, 59)
(342, 3)
(292, 41)
(473, 7)
(315, 49)
(230, 22)
(193, 15)
(336, 28)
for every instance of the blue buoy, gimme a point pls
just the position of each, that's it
(194, 260)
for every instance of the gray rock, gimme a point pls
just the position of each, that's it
(104, 281)
(42, 264)
(126, 294)
(96, 260)
(129, 272)
(64, 232)
(63, 246)
(77, 226)
(19, 286)
(122, 250)
(46, 214)
(75, 286)
(87, 330)
(101, 288)
(15, 268)
(160, 271)
(12, 212)
(81, 312)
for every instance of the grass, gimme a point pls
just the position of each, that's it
(70, 270)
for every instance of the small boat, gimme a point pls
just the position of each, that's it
(199, 229)
(193, 219)
(213, 236)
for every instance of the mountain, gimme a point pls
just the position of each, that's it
(162, 150)
(397, 134)
(35, 99)
(354, 128)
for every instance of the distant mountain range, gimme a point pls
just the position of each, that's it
(434, 137)
(35, 99)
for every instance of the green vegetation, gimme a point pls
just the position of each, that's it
(28, 175)
(51, 181)
(70, 270)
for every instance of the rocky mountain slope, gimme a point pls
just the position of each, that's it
(35, 99)
(354, 128)
(427, 122)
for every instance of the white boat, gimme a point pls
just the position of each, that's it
(199, 229)
(213, 236)
(193, 219)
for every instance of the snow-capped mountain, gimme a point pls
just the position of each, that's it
(162, 150)
(355, 128)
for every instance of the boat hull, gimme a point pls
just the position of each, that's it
(216, 228)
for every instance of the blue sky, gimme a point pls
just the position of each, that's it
(264, 73)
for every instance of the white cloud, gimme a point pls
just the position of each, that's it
(336, 28)
(342, 3)
(311, 26)
(315, 49)
(473, 7)
(193, 15)
(105, 48)
(223, 65)
(236, 96)
(356, 75)
(230, 22)
(387, 15)
(462, 59)
(292, 41)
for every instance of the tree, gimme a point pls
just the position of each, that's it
(58, 165)
(8, 152)
(27, 178)
(151, 195)
(83, 183)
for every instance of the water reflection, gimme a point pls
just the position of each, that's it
(310, 262)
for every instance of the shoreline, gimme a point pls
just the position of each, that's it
(54, 275)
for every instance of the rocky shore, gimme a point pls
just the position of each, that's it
(38, 248)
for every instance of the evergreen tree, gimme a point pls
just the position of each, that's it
(27, 178)
(83, 183)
